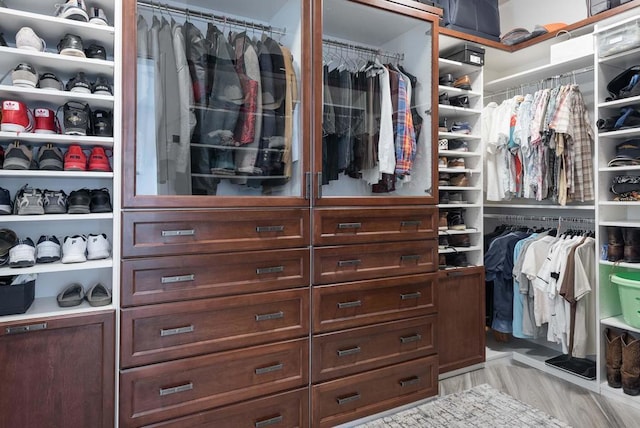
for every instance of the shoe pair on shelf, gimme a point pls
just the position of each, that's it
(454, 163)
(75, 249)
(458, 180)
(74, 294)
(32, 201)
(451, 219)
(462, 82)
(19, 156)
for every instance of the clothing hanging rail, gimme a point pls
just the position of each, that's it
(211, 17)
(520, 88)
(350, 46)
(508, 217)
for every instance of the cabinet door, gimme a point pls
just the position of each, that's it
(58, 372)
(461, 306)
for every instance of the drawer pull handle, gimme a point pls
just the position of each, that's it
(345, 352)
(410, 257)
(409, 339)
(408, 382)
(454, 274)
(273, 269)
(410, 223)
(349, 225)
(177, 278)
(409, 296)
(273, 316)
(178, 330)
(184, 232)
(353, 304)
(269, 369)
(267, 422)
(269, 229)
(348, 399)
(176, 389)
(354, 262)
(26, 328)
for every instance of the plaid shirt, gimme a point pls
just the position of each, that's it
(405, 143)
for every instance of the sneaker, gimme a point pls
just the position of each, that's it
(96, 52)
(23, 254)
(446, 79)
(50, 81)
(5, 202)
(55, 202)
(102, 86)
(460, 180)
(102, 123)
(76, 118)
(459, 145)
(19, 156)
(442, 220)
(46, 121)
(443, 197)
(29, 201)
(442, 162)
(443, 242)
(442, 125)
(27, 39)
(98, 160)
(24, 75)
(456, 198)
(71, 45)
(72, 9)
(443, 144)
(48, 249)
(98, 247)
(74, 249)
(75, 159)
(455, 221)
(79, 83)
(50, 158)
(444, 179)
(100, 201)
(461, 127)
(456, 163)
(443, 99)
(460, 101)
(97, 16)
(79, 202)
(16, 117)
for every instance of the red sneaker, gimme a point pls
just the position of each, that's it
(16, 117)
(75, 159)
(46, 121)
(98, 160)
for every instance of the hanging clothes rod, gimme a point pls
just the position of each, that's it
(350, 46)
(197, 14)
(548, 219)
(519, 90)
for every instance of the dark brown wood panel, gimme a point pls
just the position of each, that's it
(58, 372)
(364, 394)
(170, 278)
(178, 388)
(160, 233)
(348, 352)
(169, 331)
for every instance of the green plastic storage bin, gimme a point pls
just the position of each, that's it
(629, 290)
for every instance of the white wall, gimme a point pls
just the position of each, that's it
(527, 13)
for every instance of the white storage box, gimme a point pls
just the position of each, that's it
(620, 39)
(575, 47)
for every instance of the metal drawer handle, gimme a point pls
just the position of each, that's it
(345, 352)
(349, 225)
(273, 316)
(408, 382)
(269, 229)
(177, 278)
(453, 274)
(353, 304)
(410, 223)
(409, 339)
(348, 399)
(184, 232)
(26, 328)
(409, 296)
(274, 269)
(178, 330)
(267, 422)
(410, 257)
(269, 369)
(176, 389)
(354, 262)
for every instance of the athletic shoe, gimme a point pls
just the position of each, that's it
(102, 123)
(460, 180)
(50, 158)
(48, 249)
(442, 162)
(18, 156)
(98, 160)
(72, 9)
(456, 163)
(79, 202)
(75, 159)
(5, 202)
(24, 75)
(100, 201)
(459, 145)
(55, 202)
(29, 201)
(71, 45)
(97, 16)
(455, 220)
(96, 52)
(443, 144)
(23, 254)
(79, 83)
(74, 249)
(101, 86)
(461, 127)
(98, 247)
(46, 121)
(77, 118)
(27, 39)
(50, 81)
(16, 117)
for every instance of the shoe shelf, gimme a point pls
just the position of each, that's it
(619, 169)
(457, 232)
(33, 173)
(538, 206)
(39, 96)
(450, 250)
(459, 170)
(59, 139)
(623, 59)
(622, 133)
(48, 307)
(55, 217)
(620, 103)
(620, 203)
(621, 223)
(53, 61)
(457, 91)
(458, 111)
(457, 154)
(458, 136)
(454, 188)
(456, 68)
(619, 322)
(57, 267)
(460, 205)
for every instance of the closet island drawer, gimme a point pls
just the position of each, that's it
(178, 388)
(159, 233)
(364, 394)
(169, 278)
(358, 226)
(356, 304)
(368, 261)
(353, 351)
(151, 334)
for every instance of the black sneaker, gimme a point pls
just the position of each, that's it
(101, 86)
(48, 249)
(455, 220)
(18, 156)
(71, 45)
(100, 201)
(76, 118)
(55, 202)
(24, 75)
(79, 83)
(50, 158)
(50, 81)
(102, 123)
(79, 202)
(96, 51)
(29, 201)
(5, 201)
(459, 145)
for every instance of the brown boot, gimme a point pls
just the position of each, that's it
(613, 354)
(630, 369)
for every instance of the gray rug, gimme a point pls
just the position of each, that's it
(479, 407)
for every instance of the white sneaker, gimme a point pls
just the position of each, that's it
(98, 247)
(27, 39)
(48, 249)
(97, 16)
(72, 9)
(74, 249)
(23, 254)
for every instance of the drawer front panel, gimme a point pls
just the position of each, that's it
(361, 303)
(169, 390)
(165, 332)
(158, 233)
(166, 279)
(356, 396)
(353, 351)
(357, 226)
(356, 262)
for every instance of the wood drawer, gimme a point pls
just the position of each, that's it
(170, 278)
(286, 410)
(159, 233)
(361, 303)
(353, 351)
(178, 388)
(364, 394)
(169, 331)
(369, 261)
(334, 226)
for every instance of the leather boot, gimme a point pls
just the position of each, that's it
(631, 238)
(630, 370)
(613, 355)
(615, 249)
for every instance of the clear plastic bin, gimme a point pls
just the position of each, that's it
(620, 39)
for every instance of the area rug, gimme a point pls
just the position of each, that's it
(479, 407)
